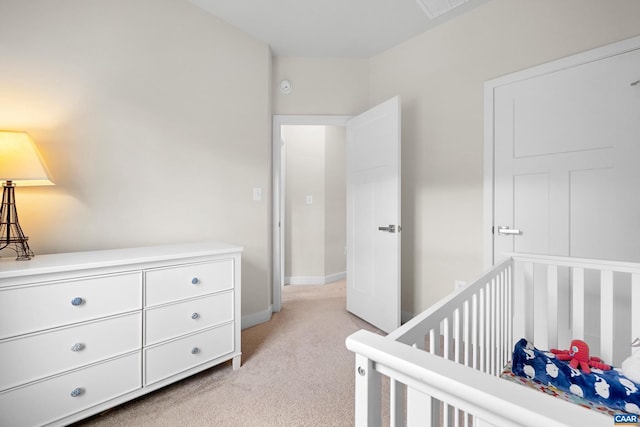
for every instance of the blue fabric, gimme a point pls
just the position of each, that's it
(609, 388)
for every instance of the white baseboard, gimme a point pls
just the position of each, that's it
(256, 318)
(315, 280)
(335, 277)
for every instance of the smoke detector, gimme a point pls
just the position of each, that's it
(435, 8)
(286, 86)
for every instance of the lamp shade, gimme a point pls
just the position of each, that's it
(20, 161)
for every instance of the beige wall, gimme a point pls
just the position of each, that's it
(335, 233)
(304, 223)
(315, 233)
(154, 119)
(439, 76)
(321, 85)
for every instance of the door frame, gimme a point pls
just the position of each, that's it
(582, 58)
(278, 184)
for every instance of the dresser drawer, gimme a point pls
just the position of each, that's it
(32, 308)
(179, 355)
(173, 320)
(47, 401)
(36, 356)
(186, 281)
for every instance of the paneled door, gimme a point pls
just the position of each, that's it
(567, 153)
(373, 215)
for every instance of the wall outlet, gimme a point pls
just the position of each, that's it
(458, 284)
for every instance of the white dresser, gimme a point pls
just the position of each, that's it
(82, 332)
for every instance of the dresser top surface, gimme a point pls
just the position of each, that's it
(57, 263)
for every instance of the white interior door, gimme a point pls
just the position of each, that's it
(567, 146)
(373, 215)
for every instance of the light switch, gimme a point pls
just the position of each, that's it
(309, 200)
(257, 194)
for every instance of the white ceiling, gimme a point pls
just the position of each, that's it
(331, 28)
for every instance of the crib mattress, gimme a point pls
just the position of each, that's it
(508, 374)
(607, 392)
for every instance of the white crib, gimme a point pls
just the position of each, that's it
(443, 365)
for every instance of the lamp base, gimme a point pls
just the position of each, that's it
(11, 234)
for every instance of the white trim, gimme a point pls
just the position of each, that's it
(304, 280)
(277, 206)
(315, 280)
(256, 318)
(278, 226)
(489, 88)
(335, 277)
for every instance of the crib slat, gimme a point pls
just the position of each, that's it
(519, 303)
(466, 321)
(635, 302)
(489, 329)
(445, 414)
(503, 324)
(523, 304)
(474, 331)
(510, 337)
(508, 319)
(499, 322)
(446, 331)
(457, 349)
(529, 329)
(422, 410)
(368, 397)
(494, 320)
(434, 342)
(606, 316)
(541, 310)
(397, 392)
(552, 304)
(482, 338)
(504, 341)
(577, 305)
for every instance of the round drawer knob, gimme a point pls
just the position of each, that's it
(77, 301)
(195, 281)
(195, 350)
(77, 392)
(194, 316)
(77, 347)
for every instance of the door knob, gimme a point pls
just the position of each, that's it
(505, 230)
(391, 228)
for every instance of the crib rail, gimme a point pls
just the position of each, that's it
(430, 379)
(455, 349)
(472, 326)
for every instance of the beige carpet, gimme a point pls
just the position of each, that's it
(296, 371)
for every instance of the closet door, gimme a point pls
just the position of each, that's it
(566, 153)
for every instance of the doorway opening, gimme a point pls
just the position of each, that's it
(308, 244)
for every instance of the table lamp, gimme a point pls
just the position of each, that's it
(20, 165)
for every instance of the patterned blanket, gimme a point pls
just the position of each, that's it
(607, 388)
